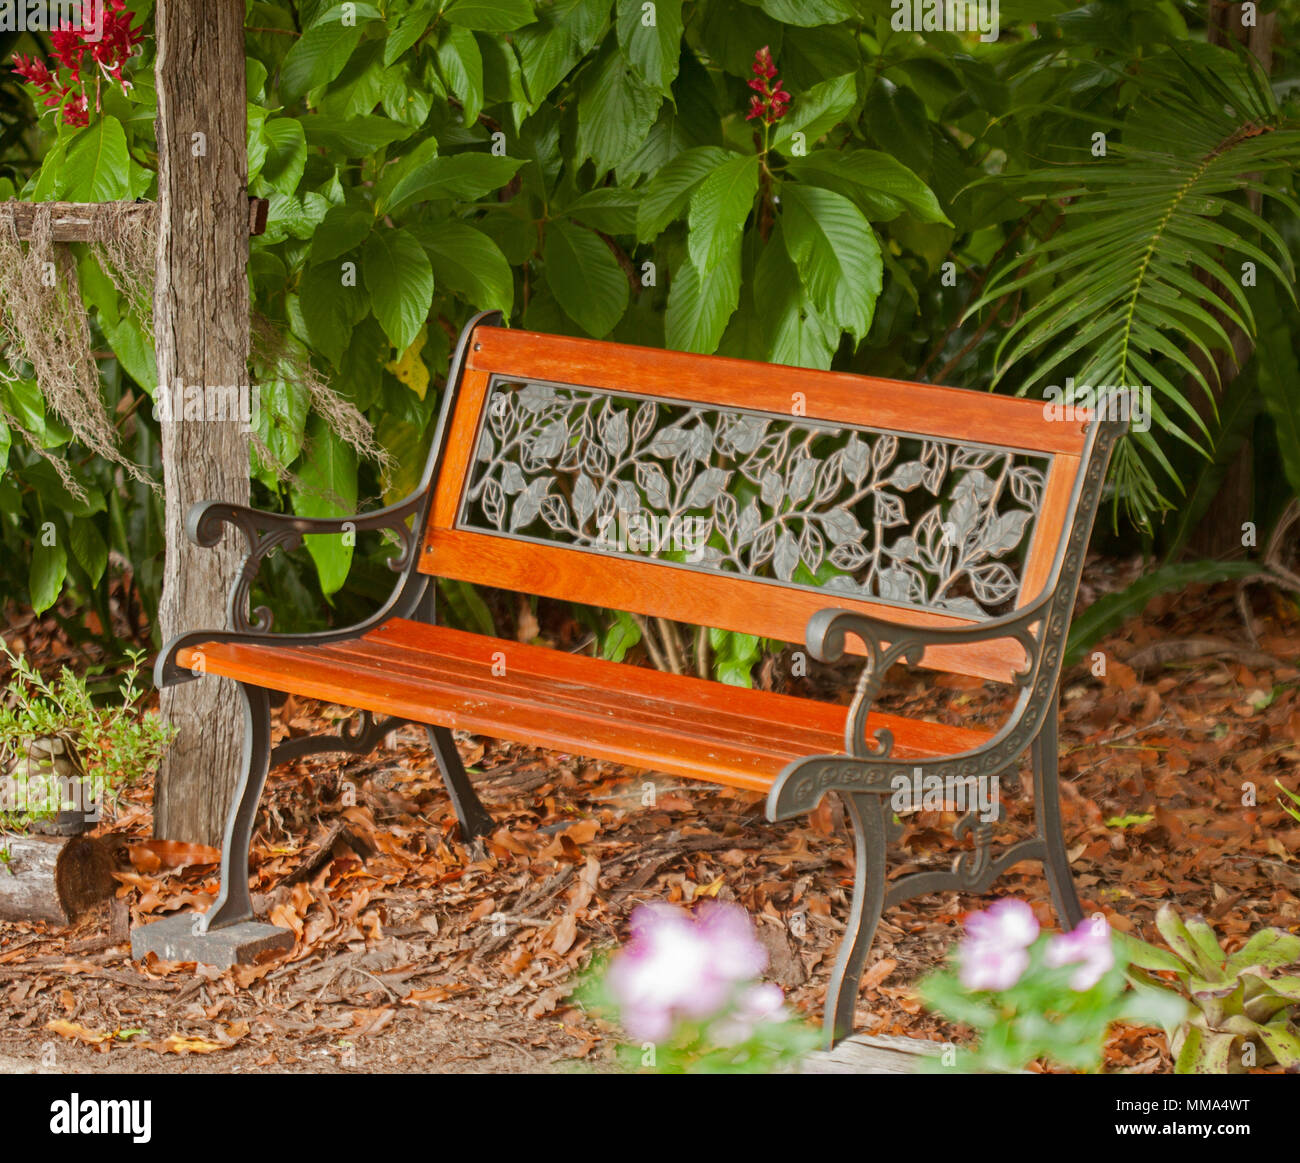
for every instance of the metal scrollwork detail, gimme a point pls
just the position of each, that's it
(906, 520)
(263, 533)
(1039, 627)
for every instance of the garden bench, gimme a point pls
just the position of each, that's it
(940, 527)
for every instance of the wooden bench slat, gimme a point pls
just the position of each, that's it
(931, 409)
(746, 605)
(570, 703)
(587, 700)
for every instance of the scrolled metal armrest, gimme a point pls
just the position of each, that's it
(264, 532)
(888, 642)
(205, 521)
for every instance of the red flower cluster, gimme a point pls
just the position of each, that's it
(770, 101)
(72, 46)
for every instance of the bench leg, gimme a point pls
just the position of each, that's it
(1047, 808)
(869, 846)
(473, 816)
(234, 903)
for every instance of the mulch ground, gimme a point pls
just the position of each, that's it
(416, 953)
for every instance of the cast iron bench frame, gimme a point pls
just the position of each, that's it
(1023, 646)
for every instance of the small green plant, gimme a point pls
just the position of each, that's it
(687, 991)
(1293, 808)
(49, 728)
(1241, 1016)
(1032, 997)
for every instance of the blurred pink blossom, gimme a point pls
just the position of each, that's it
(1088, 947)
(676, 966)
(995, 951)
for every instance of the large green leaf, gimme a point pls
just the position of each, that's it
(461, 65)
(332, 303)
(615, 111)
(562, 36)
(883, 186)
(406, 31)
(667, 194)
(326, 486)
(280, 421)
(342, 229)
(609, 208)
(133, 349)
(353, 136)
(45, 575)
(286, 153)
(400, 281)
(317, 57)
(464, 176)
(835, 252)
(719, 207)
(701, 302)
(585, 277)
(807, 13)
(1110, 612)
(88, 547)
(817, 111)
(653, 48)
(794, 330)
(1270, 948)
(468, 262)
(97, 165)
(489, 15)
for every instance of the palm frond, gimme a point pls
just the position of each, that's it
(1141, 281)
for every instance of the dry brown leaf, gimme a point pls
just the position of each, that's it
(77, 1032)
(184, 1044)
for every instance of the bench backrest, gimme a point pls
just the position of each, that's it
(747, 496)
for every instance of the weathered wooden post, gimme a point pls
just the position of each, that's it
(201, 307)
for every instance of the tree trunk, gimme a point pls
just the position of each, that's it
(1219, 533)
(201, 307)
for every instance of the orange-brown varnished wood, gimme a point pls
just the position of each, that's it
(897, 405)
(570, 703)
(1049, 527)
(748, 605)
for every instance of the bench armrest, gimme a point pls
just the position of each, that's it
(889, 642)
(867, 763)
(263, 533)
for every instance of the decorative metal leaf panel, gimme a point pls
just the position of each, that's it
(888, 517)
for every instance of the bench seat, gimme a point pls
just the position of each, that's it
(568, 702)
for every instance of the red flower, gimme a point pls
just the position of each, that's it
(771, 101)
(114, 43)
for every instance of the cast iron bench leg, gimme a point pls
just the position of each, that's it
(869, 848)
(473, 816)
(234, 903)
(1047, 807)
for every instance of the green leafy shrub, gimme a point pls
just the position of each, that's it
(111, 746)
(1242, 1015)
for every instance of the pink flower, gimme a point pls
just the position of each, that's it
(1088, 947)
(758, 1004)
(1010, 923)
(995, 951)
(677, 967)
